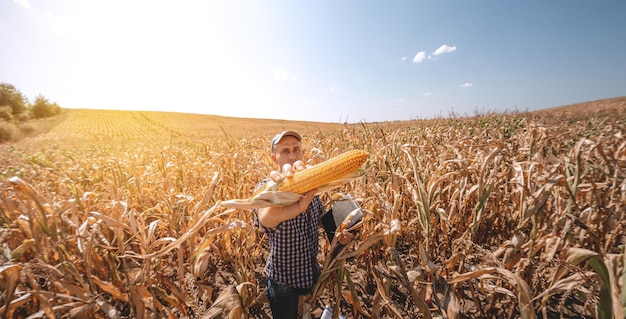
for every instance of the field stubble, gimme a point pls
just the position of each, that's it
(115, 214)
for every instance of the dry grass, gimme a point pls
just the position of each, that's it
(116, 214)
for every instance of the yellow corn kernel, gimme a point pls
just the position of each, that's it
(323, 173)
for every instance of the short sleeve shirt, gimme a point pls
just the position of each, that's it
(294, 245)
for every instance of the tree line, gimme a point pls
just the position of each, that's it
(16, 112)
(14, 105)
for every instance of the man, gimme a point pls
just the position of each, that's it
(292, 268)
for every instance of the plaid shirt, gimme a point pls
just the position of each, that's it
(294, 245)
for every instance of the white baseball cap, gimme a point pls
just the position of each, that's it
(280, 136)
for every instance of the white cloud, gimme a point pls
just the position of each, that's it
(466, 85)
(444, 49)
(419, 57)
(280, 75)
(428, 93)
(22, 3)
(400, 100)
(403, 58)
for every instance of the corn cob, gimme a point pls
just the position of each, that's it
(323, 173)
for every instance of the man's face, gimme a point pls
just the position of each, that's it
(287, 151)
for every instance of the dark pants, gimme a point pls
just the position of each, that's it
(284, 299)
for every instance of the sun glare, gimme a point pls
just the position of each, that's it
(145, 51)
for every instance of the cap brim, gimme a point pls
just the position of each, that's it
(280, 136)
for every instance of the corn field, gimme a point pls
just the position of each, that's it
(116, 214)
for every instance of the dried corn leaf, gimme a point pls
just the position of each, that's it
(205, 217)
(140, 298)
(576, 256)
(524, 295)
(7, 310)
(107, 308)
(166, 299)
(44, 305)
(80, 310)
(21, 249)
(9, 277)
(110, 289)
(569, 283)
(110, 222)
(248, 293)
(227, 301)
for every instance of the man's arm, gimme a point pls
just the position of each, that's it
(270, 217)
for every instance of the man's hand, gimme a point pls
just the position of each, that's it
(287, 171)
(344, 237)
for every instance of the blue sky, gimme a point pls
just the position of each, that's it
(315, 60)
